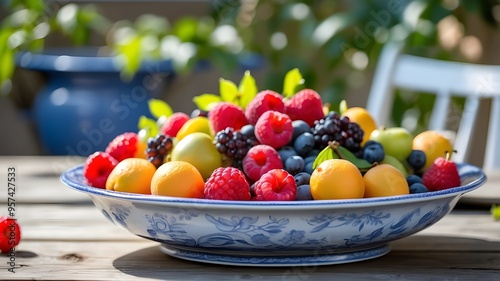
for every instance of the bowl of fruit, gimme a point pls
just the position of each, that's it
(267, 179)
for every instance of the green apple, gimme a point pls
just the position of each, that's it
(388, 159)
(397, 141)
(197, 148)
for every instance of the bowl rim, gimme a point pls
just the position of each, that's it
(468, 171)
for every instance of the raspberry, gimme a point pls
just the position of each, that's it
(97, 168)
(123, 146)
(227, 184)
(264, 101)
(259, 160)
(274, 128)
(305, 105)
(226, 114)
(10, 234)
(443, 174)
(174, 123)
(275, 185)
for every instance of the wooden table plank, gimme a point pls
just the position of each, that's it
(143, 260)
(37, 179)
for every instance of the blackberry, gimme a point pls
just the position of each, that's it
(158, 149)
(336, 128)
(235, 144)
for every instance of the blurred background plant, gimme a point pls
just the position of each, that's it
(335, 44)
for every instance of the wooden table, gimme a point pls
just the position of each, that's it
(66, 238)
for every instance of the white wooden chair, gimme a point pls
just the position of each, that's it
(445, 79)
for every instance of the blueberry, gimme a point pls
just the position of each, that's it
(309, 167)
(313, 152)
(417, 159)
(411, 179)
(371, 142)
(303, 192)
(304, 143)
(373, 153)
(285, 152)
(299, 127)
(248, 130)
(310, 159)
(418, 188)
(302, 178)
(294, 164)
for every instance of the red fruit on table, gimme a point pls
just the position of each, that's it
(10, 234)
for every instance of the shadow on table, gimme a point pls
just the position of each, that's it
(412, 258)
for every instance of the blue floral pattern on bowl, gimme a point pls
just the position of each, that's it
(276, 233)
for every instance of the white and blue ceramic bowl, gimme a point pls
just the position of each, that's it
(251, 233)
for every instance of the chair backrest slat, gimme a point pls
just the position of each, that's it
(444, 79)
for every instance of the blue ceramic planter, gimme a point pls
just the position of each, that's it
(85, 103)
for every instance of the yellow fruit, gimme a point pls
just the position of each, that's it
(141, 150)
(197, 124)
(385, 180)
(433, 144)
(131, 175)
(177, 179)
(336, 179)
(363, 118)
(198, 150)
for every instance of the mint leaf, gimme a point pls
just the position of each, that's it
(206, 101)
(228, 90)
(149, 125)
(293, 80)
(247, 89)
(159, 108)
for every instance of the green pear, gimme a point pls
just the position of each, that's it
(388, 159)
(198, 149)
(397, 141)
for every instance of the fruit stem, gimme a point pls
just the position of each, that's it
(448, 154)
(335, 146)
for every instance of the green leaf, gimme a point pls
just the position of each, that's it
(206, 101)
(293, 80)
(343, 106)
(247, 89)
(159, 108)
(149, 125)
(228, 90)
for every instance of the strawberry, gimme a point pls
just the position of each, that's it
(305, 105)
(10, 234)
(226, 114)
(442, 174)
